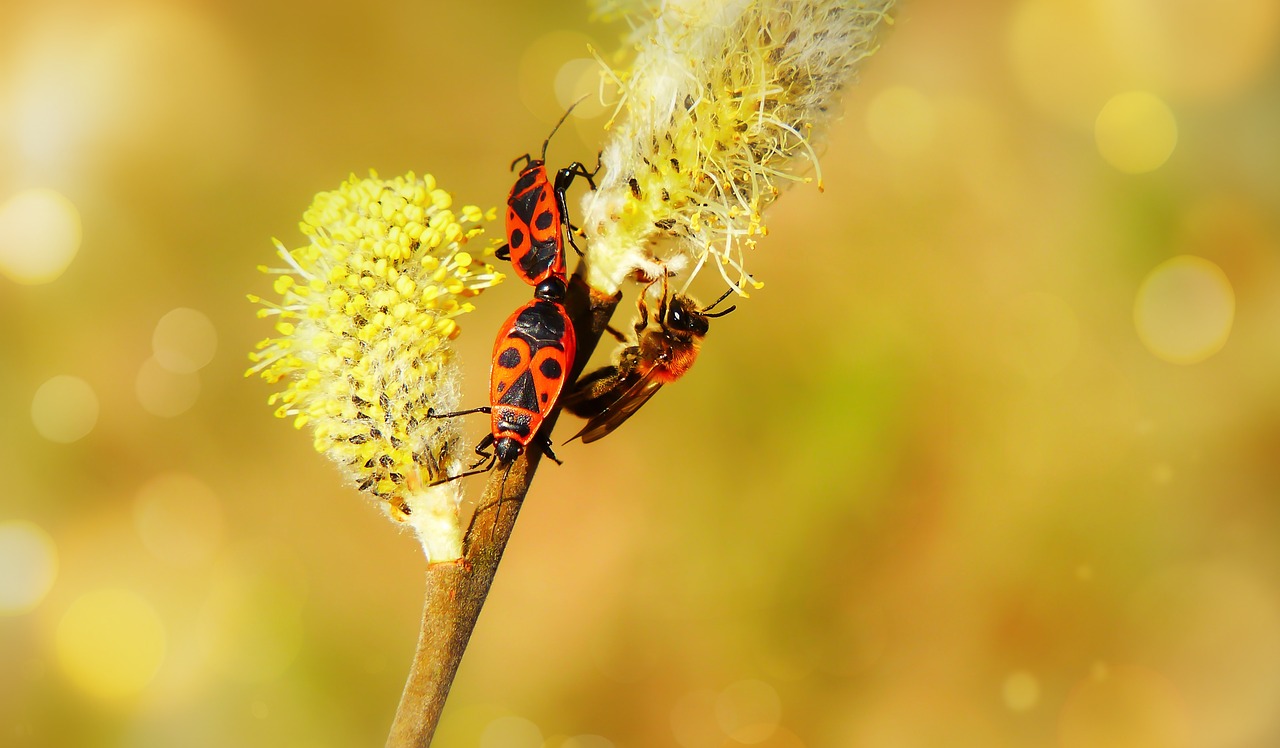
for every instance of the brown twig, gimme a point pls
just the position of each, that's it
(456, 591)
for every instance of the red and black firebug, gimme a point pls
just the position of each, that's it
(532, 357)
(538, 216)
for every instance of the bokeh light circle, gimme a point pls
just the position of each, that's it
(1124, 707)
(1194, 49)
(166, 84)
(40, 235)
(576, 84)
(110, 643)
(165, 393)
(1184, 310)
(184, 341)
(693, 720)
(1059, 55)
(64, 409)
(1214, 629)
(511, 732)
(587, 741)
(29, 560)
(545, 59)
(1021, 691)
(1136, 132)
(901, 121)
(749, 711)
(179, 519)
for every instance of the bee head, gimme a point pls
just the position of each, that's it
(683, 315)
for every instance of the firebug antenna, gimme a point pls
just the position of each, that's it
(563, 117)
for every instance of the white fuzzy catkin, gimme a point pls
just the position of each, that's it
(718, 113)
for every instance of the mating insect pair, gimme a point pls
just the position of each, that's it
(536, 346)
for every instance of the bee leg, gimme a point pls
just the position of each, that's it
(662, 305)
(617, 335)
(642, 321)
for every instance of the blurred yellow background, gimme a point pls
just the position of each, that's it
(992, 460)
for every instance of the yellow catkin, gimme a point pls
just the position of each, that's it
(718, 113)
(364, 314)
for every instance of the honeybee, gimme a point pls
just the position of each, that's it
(611, 394)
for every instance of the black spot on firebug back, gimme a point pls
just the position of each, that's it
(550, 368)
(509, 358)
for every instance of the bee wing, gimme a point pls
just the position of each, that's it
(595, 391)
(622, 408)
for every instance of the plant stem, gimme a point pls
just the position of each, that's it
(457, 590)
